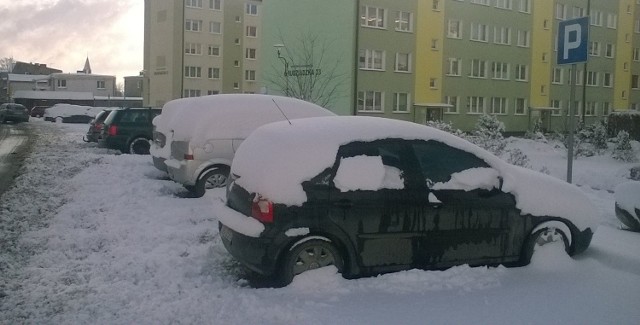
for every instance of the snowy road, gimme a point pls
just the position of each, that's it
(91, 237)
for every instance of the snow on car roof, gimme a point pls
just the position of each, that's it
(66, 110)
(278, 157)
(230, 115)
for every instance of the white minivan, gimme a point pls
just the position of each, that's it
(195, 138)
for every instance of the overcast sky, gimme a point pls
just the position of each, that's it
(61, 33)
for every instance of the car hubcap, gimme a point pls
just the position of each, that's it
(313, 258)
(215, 181)
(550, 235)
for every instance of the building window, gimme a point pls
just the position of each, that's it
(557, 76)
(193, 48)
(250, 54)
(475, 105)
(453, 101)
(252, 31)
(213, 92)
(372, 17)
(101, 84)
(610, 50)
(479, 32)
(401, 102)
(192, 72)
(403, 62)
(612, 21)
(236, 63)
(525, 6)
(213, 50)
(500, 70)
(193, 3)
(435, 44)
(482, 2)
(435, 5)
(191, 93)
(193, 25)
(455, 66)
(478, 69)
(251, 9)
(606, 108)
(498, 106)
(594, 48)
(61, 83)
(596, 18)
(556, 104)
(524, 38)
(215, 4)
(592, 78)
(520, 106)
(404, 21)
(236, 85)
(372, 59)
(634, 82)
(502, 35)
(215, 27)
(504, 4)
(250, 75)
(214, 73)
(522, 72)
(433, 83)
(636, 54)
(370, 101)
(591, 109)
(454, 29)
(607, 80)
(561, 11)
(578, 12)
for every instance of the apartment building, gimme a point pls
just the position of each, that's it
(200, 47)
(458, 59)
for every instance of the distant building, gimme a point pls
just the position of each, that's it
(32, 68)
(24, 76)
(133, 86)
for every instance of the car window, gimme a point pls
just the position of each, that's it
(134, 116)
(439, 161)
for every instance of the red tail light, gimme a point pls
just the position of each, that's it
(98, 126)
(262, 209)
(113, 130)
(188, 156)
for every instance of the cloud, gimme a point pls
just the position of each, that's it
(61, 33)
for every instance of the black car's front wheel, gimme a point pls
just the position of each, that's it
(309, 255)
(139, 146)
(546, 237)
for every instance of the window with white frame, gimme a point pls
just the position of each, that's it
(191, 93)
(251, 9)
(606, 108)
(373, 17)
(192, 72)
(578, 12)
(236, 85)
(557, 76)
(612, 20)
(636, 54)
(250, 75)
(524, 38)
(435, 44)
(504, 4)
(252, 31)
(371, 59)
(193, 3)
(250, 53)
(404, 21)
(454, 29)
(595, 17)
(193, 25)
(435, 5)
(479, 32)
(525, 6)
(403, 62)
(500, 70)
(594, 48)
(213, 50)
(522, 72)
(592, 78)
(481, 2)
(580, 75)
(556, 103)
(215, 4)
(609, 50)
(401, 102)
(214, 73)
(502, 35)
(101, 84)
(478, 68)
(370, 101)
(607, 79)
(590, 109)
(520, 106)
(454, 67)
(634, 82)
(561, 11)
(433, 83)
(453, 101)
(498, 106)
(636, 27)
(193, 48)
(475, 105)
(215, 27)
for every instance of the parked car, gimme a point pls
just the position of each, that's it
(195, 138)
(38, 111)
(68, 113)
(13, 112)
(627, 206)
(129, 130)
(372, 195)
(96, 125)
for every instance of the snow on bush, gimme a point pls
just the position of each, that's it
(487, 134)
(622, 149)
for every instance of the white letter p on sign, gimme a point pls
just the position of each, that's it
(568, 44)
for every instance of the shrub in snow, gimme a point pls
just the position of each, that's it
(622, 149)
(536, 134)
(487, 134)
(518, 158)
(590, 140)
(445, 126)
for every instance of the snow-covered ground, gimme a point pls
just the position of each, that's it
(91, 237)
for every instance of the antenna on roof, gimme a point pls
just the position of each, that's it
(281, 112)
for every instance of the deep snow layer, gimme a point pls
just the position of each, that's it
(92, 237)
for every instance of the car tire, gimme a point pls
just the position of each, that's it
(542, 237)
(139, 146)
(213, 178)
(309, 255)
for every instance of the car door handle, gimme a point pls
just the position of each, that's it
(344, 203)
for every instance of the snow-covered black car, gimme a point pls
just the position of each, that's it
(373, 195)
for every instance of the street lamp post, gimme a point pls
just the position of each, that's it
(286, 67)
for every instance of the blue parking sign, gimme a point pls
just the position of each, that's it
(573, 41)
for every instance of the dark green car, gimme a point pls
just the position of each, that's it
(13, 112)
(129, 130)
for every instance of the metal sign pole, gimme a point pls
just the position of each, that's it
(572, 101)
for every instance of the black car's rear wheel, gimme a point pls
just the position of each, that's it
(139, 146)
(309, 255)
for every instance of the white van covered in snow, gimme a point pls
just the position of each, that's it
(195, 138)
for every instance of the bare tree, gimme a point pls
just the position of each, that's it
(308, 74)
(6, 64)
